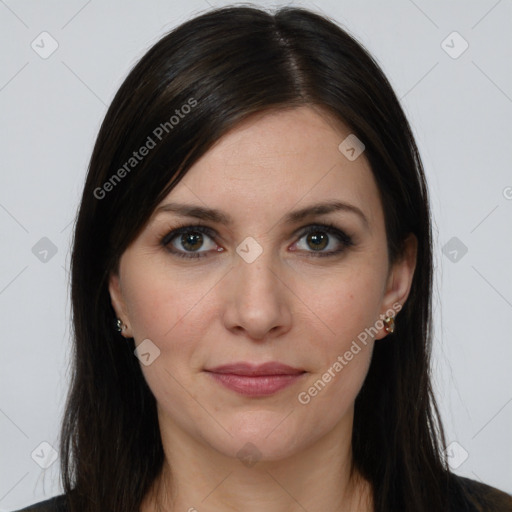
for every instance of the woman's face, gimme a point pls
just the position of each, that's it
(288, 265)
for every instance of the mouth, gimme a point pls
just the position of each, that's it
(256, 380)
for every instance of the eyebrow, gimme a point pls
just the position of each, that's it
(217, 216)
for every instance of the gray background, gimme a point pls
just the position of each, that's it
(460, 109)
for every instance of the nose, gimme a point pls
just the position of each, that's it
(257, 300)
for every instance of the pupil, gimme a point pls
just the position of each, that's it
(192, 241)
(317, 241)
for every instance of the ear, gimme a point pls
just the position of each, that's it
(399, 280)
(118, 303)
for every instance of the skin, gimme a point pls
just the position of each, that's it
(288, 306)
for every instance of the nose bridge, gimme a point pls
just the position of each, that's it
(256, 277)
(257, 302)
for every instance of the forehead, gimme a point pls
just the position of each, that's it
(277, 160)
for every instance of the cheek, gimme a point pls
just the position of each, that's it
(161, 302)
(174, 314)
(347, 306)
(348, 314)
(174, 310)
(346, 343)
(343, 360)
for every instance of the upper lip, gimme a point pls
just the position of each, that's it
(243, 368)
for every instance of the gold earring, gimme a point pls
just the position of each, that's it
(389, 324)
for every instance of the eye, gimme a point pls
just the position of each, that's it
(323, 240)
(190, 242)
(197, 241)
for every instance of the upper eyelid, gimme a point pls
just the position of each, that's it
(190, 227)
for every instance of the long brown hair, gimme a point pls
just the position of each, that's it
(226, 65)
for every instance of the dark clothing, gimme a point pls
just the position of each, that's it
(56, 504)
(478, 498)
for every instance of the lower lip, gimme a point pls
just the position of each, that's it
(262, 385)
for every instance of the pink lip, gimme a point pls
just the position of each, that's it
(256, 380)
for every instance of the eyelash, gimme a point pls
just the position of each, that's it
(328, 228)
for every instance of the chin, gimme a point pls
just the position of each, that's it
(250, 450)
(260, 436)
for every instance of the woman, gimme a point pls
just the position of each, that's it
(251, 286)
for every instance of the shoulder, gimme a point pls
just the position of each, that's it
(473, 496)
(55, 504)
